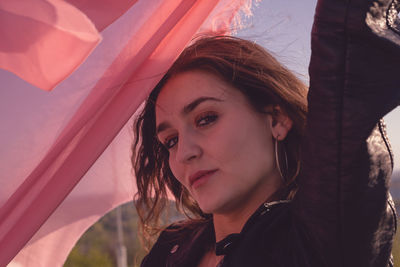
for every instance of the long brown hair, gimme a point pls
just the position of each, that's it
(263, 81)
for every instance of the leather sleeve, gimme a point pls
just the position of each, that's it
(343, 197)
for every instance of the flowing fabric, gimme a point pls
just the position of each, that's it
(65, 153)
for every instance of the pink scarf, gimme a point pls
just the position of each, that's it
(64, 159)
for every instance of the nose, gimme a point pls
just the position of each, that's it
(188, 148)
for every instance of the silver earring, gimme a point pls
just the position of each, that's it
(278, 165)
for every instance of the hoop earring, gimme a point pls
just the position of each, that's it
(278, 165)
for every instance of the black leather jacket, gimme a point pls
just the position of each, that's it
(343, 214)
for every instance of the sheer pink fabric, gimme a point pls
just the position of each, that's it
(50, 140)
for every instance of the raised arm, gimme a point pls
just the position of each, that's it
(343, 198)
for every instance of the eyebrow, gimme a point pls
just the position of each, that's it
(186, 110)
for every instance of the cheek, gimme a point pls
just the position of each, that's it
(243, 149)
(223, 148)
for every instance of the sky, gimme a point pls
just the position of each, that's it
(283, 27)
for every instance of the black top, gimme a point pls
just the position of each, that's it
(269, 238)
(342, 214)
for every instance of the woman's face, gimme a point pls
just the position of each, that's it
(220, 149)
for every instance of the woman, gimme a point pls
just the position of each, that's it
(222, 131)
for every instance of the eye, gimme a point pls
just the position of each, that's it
(205, 119)
(170, 142)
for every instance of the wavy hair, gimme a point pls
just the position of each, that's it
(262, 80)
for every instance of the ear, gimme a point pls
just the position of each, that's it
(280, 123)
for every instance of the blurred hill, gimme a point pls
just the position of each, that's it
(97, 247)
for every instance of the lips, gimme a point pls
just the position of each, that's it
(198, 175)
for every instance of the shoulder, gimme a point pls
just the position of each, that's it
(172, 241)
(181, 230)
(175, 232)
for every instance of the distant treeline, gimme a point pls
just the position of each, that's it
(97, 246)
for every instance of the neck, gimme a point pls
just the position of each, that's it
(233, 221)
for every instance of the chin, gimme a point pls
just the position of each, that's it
(208, 208)
(212, 208)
